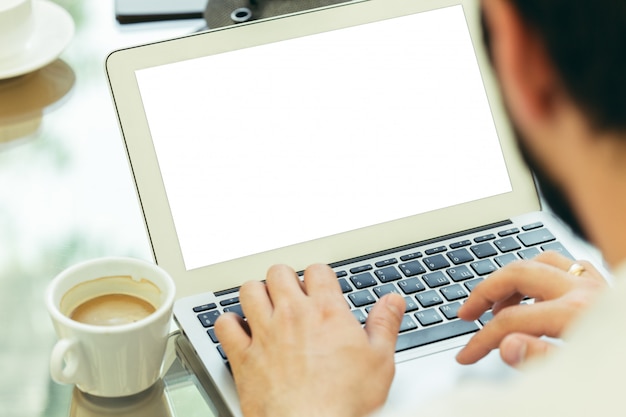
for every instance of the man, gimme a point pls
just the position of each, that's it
(561, 67)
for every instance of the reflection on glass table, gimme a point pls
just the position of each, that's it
(178, 393)
(24, 99)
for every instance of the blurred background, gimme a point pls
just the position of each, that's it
(66, 193)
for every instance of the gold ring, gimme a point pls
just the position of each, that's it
(576, 269)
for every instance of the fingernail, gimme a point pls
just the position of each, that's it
(515, 351)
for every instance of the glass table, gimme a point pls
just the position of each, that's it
(179, 392)
(66, 195)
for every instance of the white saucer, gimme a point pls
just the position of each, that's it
(54, 29)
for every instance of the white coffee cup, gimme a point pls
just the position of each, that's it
(17, 25)
(110, 360)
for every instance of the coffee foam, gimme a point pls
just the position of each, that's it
(112, 310)
(123, 284)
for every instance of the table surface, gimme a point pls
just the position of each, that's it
(66, 195)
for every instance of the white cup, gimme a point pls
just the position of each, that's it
(110, 360)
(16, 26)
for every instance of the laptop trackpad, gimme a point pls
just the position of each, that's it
(419, 380)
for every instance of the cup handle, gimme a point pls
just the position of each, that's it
(65, 361)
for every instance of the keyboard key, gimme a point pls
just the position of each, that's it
(484, 267)
(428, 317)
(460, 273)
(536, 237)
(557, 247)
(345, 286)
(486, 317)
(454, 292)
(507, 244)
(363, 280)
(470, 285)
(434, 334)
(450, 310)
(528, 253)
(383, 290)
(503, 260)
(211, 333)
(359, 315)
(436, 262)
(484, 238)
(235, 309)
(208, 319)
(407, 324)
(412, 268)
(460, 256)
(341, 274)
(532, 226)
(433, 251)
(411, 256)
(386, 262)
(435, 279)
(220, 349)
(411, 285)
(484, 250)
(229, 301)
(460, 244)
(204, 307)
(411, 304)
(429, 298)
(362, 298)
(359, 269)
(388, 274)
(508, 232)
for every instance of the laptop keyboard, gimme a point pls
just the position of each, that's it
(434, 280)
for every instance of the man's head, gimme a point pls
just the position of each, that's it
(561, 65)
(584, 40)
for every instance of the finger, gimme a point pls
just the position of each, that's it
(234, 335)
(542, 319)
(517, 349)
(321, 283)
(591, 272)
(531, 278)
(256, 303)
(283, 284)
(554, 259)
(383, 322)
(564, 263)
(513, 300)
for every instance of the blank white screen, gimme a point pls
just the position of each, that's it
(283, 143)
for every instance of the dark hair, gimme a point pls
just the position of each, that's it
(586, 40)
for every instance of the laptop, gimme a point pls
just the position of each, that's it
(368, 135)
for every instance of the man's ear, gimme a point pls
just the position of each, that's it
(526, 73)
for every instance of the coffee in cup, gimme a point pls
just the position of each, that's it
(112, 317)
(110, 300)
(112, 310)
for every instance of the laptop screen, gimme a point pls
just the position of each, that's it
(278, 144)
